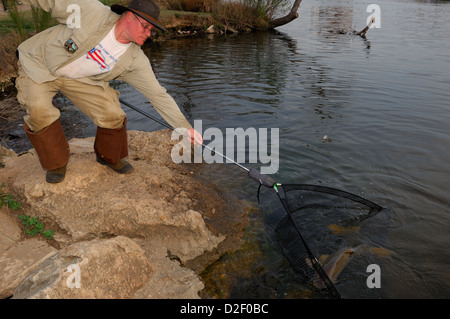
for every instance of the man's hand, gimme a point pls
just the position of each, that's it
(194, 136)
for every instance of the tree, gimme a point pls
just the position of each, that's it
(292, 15)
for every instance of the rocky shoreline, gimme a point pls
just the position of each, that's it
(144, 235)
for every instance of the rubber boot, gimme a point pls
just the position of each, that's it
(52, 148)
(111, 146)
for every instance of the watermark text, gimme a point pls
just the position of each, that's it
(242, 146)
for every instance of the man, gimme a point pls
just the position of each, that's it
(92, 45)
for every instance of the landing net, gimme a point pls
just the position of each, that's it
(311, 209)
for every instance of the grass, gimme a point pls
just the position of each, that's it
(34, 20)
(165, 13)
(7, 24)
(24, 22)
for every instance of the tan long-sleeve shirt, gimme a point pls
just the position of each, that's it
(44, 53)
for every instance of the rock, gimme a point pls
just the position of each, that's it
(101, 268)
(180, 222)
(6, 152)
(171, 279)
(95, 200)
(9, 230)
(19, 260)
(211, 29)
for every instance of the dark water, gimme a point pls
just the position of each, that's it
(369, 116)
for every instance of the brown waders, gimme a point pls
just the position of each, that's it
(111, 146)
(51, 145)
(52, 148)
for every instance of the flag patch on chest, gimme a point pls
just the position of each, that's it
(97, 56)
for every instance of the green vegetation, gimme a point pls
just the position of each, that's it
(111, 2)
(25, 23)
(8, 200)
(33, 226)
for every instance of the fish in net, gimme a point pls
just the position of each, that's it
(305, 229)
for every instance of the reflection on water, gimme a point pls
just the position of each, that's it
(383, 106)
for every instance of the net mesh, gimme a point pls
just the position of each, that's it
(306, 228)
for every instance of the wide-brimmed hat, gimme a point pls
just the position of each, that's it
(146, 9)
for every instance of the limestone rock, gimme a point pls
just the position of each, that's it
(101, 268)
(170, 279)
(151, 202)
(164, 224)
(211, 29)
(19, 260)
(9, 230)
(17, 257)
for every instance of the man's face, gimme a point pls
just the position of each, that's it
(141, 30)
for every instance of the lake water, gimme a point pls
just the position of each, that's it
(369, 116)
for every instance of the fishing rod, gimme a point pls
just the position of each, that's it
(252, 172)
